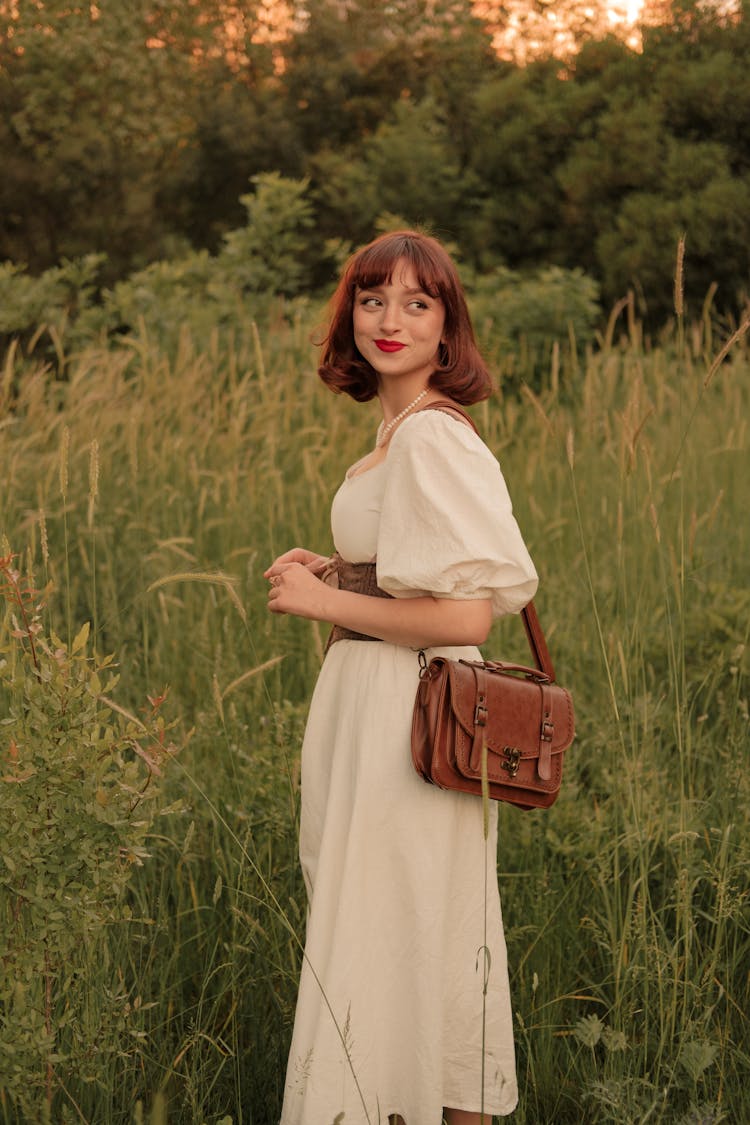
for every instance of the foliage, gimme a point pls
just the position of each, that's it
(100, 125)
(135, 134)
(268, 254)
(214, 291)
(77, 790)
(51, 303)
(527, 317)
(265, 260)
(264, 267)
(696, 186)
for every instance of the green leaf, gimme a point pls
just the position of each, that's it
(697, 1056)
(81, 638)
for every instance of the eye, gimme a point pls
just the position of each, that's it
(418, 304)
(369, 302)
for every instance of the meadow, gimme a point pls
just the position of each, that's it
(147, 490)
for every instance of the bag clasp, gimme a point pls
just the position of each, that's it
(512, 759)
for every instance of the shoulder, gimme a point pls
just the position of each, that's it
(439, 433)
(453, 410)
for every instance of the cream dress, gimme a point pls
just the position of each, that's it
(398, 873)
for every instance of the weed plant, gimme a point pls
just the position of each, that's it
(151, 491)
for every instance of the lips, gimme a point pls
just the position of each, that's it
(389, 345)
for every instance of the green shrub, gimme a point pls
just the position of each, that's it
(32, 308)
(78, 779)
(258, 263)
(528, 315)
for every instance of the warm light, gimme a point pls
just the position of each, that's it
(633, 10)
(625, 14)
(522, 29)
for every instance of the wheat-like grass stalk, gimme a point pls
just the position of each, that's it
(679, 278)
(93, 482)
(739, 334)
(240, 681)
(213, 578)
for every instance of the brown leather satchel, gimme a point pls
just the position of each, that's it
(495, 729)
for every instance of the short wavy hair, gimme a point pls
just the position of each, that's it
(461, 374)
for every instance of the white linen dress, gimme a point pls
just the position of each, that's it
(398, 873)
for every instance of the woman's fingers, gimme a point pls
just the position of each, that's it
(289, 556)
(318, 564)
(296, 555)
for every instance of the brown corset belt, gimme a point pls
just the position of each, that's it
(360, 578)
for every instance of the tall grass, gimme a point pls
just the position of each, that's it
(152, 489)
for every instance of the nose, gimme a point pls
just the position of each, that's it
(389, 318)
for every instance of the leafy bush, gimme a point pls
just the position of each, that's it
(269, 257)
(77, 786)
(265, 259)
(529, 314)
(29, 304)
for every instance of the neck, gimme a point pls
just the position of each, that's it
(390, 425)
(395, 399)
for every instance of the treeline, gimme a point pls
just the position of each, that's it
(134, 130)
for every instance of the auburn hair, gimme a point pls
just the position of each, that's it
(461, 373)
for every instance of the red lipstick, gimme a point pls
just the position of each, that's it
(389, 345)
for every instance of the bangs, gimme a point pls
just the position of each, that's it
(375, 265)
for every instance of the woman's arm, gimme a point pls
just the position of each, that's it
(416, 622)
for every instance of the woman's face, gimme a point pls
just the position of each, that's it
(398, 327)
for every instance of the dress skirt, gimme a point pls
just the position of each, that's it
(404, 922)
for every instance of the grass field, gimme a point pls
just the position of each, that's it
(151, 490)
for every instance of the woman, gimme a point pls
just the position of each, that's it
(401, 883)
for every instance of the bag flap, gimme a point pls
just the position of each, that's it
(515, 709)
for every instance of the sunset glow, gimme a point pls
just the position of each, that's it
(522, 30)
(633, 10)
(625, 14)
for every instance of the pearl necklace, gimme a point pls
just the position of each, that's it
(386, 431)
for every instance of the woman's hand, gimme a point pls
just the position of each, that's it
(295, 588)
(314, 563)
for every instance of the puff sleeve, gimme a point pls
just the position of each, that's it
(447, 526)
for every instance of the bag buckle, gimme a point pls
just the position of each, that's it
(480, 713)
(512, 759)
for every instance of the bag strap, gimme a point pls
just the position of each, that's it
(445, 405)
(537, 641)
(534, 631)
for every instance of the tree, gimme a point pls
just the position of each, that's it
(615, 149)
(350, 61)
(524, 125)
(698, 197)
(702, 75)
(99, 125)
(89, 120)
